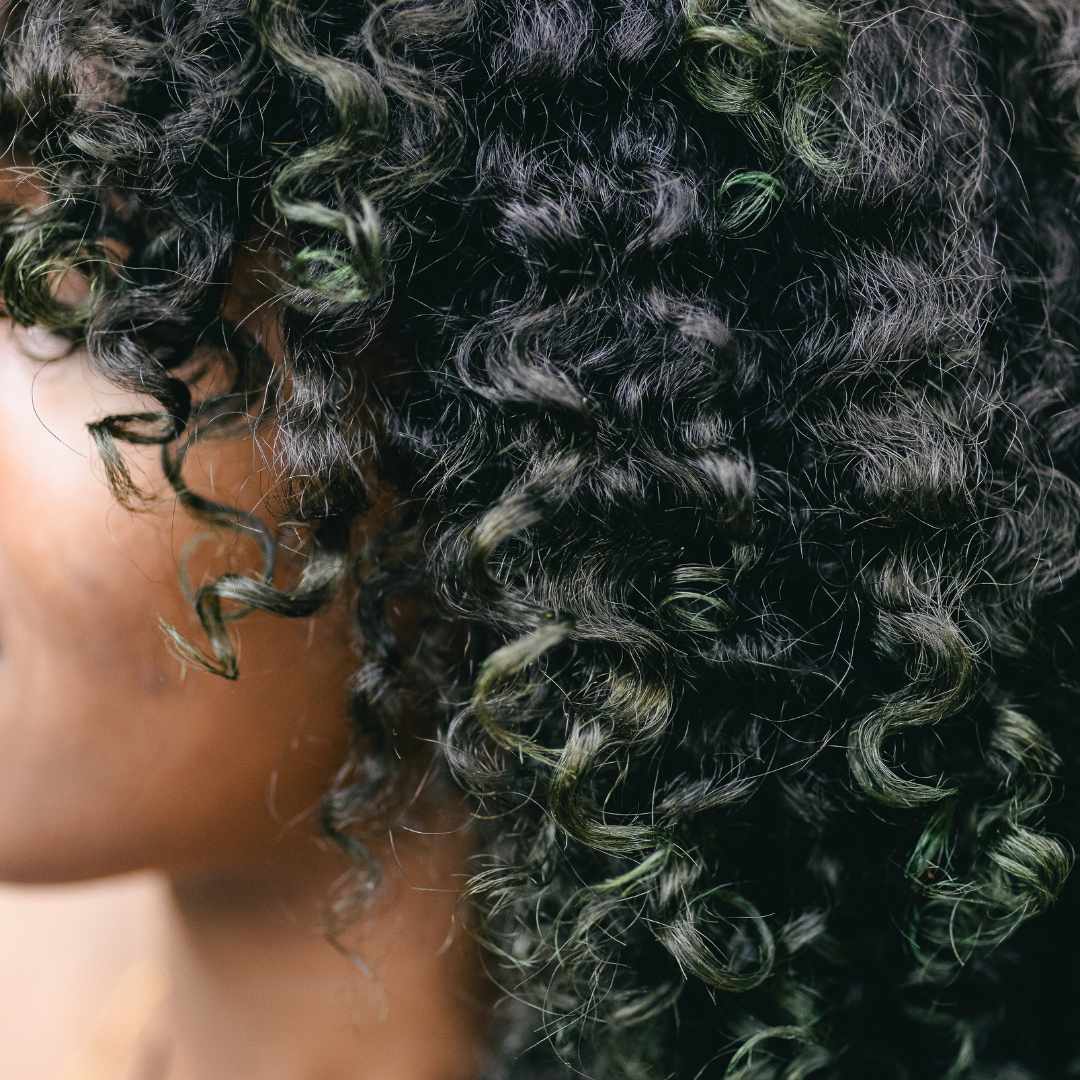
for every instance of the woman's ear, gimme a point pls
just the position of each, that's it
(40, 344)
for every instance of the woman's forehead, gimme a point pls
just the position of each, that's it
(249, 298)
(20, 180)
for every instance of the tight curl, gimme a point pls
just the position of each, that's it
(736, 419)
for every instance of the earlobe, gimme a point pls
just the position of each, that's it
(40, 344)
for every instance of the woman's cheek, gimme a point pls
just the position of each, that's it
(115, 755)
(78, 573)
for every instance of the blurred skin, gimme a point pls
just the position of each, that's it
(118, 757)
(99, 721)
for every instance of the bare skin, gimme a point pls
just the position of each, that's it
(258, 993)
(131, 760)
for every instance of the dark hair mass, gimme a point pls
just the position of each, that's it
(733, 424)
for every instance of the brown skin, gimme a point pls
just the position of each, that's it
(118, 757)
(115, 715)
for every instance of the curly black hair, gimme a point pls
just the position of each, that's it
(734, 431)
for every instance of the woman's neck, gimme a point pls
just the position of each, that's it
(256, 989)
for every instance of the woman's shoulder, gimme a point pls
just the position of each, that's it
(122, 1045)
(64, 950)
